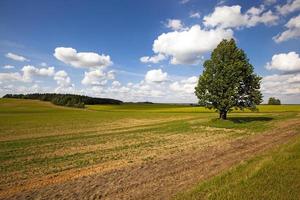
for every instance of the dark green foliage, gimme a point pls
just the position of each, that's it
(274, 101)
(228, 81)
(70, 100)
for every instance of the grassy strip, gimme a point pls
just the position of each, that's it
(275, 175)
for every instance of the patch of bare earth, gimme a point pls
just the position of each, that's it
(157, 179)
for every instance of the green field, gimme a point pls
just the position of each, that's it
(40, 141)
(274, 175)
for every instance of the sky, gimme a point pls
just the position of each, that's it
(136, 50)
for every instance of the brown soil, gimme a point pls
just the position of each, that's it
(157, 179)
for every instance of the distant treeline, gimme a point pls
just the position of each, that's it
(71, 100)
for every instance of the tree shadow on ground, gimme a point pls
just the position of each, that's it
(240, 120)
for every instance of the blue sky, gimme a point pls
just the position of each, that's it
(143, 50)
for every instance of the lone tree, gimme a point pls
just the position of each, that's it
(274, 101)
(228, 81)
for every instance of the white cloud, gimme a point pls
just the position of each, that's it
(46, 71)
(115, 84)
(293, 30)
(110, 75)
(29, 71)
(291, 6)
(62, 79)
(231, 17)
(286, 87)
(64, 82)
(22, 89)
(195, 15)
(97, 77)
(285, 62)
(8, 67)
(181, 90)
(185, 86)
(156, 76)
(152, 59)
(281, 85)
(153, 87)
(190, 80)
(186, 47)
(16, 57)
(10, 77)
(82, 59)
(174, 24)
(142, 91)
(9, 86)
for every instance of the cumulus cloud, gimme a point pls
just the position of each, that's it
(195, 15)
(16, 57)
(8, 67)
(110, 75)
(62, 79)
(81, 59)
(289, 7)
(63, 82)
(154, 86)
(97, 77)
(142, 91)
(23, 89)
(285, 62)
(283, 86)
(293, 30)
(152, 59)
(181, 90)
(174, 24)
(156, 76)
(10, 82)
(232, 17)
(115, 84)
(10, 77)
(185, 86)
(186, 47)
(29, 71)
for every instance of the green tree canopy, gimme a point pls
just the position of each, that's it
(228, 80)
(274, 101)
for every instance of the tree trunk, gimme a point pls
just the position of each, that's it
(223, 115)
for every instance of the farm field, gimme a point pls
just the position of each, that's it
(273, 175)
(142, 151)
